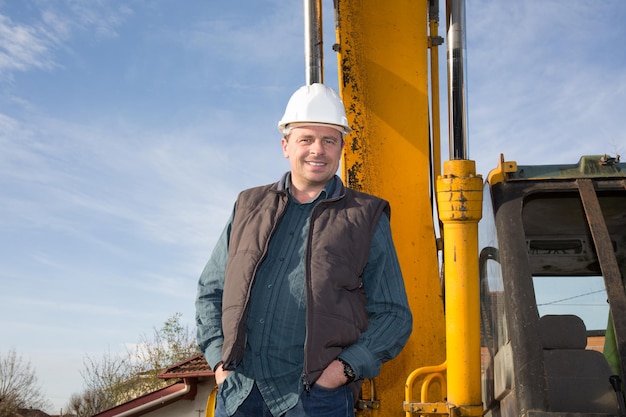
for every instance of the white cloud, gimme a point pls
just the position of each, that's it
(34, 45)
(23, 47)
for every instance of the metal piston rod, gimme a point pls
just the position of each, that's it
(313, 42)
(457, 101)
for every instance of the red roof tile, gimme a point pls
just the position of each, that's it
(193, 367)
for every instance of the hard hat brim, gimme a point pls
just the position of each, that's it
(286, 129)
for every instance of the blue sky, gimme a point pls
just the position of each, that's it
(127, 128)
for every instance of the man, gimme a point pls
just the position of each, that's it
(303, 296)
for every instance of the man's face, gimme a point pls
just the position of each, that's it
(314, 153)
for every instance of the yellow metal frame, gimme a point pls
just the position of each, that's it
(430, 374)
(499, 174)
(384, 82)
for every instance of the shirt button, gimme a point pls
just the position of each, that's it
(262, 321)
(269, 285)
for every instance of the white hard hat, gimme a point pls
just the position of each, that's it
(314, 104)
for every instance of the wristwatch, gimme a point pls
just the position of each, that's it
(347, 371)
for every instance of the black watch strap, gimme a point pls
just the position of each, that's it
(347, 370)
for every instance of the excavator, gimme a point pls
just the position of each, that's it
(479, 254)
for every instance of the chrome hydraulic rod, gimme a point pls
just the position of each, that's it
(457, 101)
(313, 42)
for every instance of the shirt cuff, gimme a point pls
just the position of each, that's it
(361, 360)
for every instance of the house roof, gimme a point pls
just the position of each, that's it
(29, 412)
(189, 370)
(193, 367)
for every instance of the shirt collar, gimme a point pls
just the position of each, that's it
(328, 189)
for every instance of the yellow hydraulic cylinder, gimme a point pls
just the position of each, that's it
(459, 199)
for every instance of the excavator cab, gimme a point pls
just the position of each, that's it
(551, 236)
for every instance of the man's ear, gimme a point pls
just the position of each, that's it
(284, 142)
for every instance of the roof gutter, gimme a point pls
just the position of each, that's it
(157, 402)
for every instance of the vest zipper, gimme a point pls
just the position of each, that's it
(307, 276)
(305, 382)
(308, 303)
